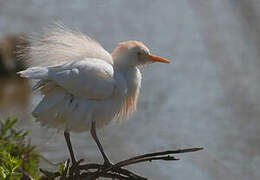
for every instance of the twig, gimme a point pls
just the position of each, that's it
(119, 170)
(93, 171)
(143, 158)
(107, 175)
(122, 163)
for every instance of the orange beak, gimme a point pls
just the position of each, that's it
(157, 59)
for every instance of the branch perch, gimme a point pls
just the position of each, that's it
(117, 172)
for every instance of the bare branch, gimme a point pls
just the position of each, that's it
(143, 158)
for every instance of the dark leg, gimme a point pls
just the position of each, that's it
(74, 167)
(67, 138)
(94, 135)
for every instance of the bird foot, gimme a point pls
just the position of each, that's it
(77, 163)
(74, 169)
(107, 164)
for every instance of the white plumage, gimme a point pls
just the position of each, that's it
(81, 82)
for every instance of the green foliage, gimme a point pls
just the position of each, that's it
(64, 170)
(16, 154)
(62, 174)
(8, 167)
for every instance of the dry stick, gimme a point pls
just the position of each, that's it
(125, 174)
(136, 158)
(90, 166)
(143, 158)
(107, 175)
(164, 158)
(118, 166)
(129, 174)
(122, 163)
(116, 170)
(161, 153)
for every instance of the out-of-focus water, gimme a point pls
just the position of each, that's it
(208, 97)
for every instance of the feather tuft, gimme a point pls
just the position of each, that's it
(59, 44)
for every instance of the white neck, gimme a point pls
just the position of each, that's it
(131, 76)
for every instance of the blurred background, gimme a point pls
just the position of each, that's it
(208, 97)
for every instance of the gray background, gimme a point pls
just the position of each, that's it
(208, 97)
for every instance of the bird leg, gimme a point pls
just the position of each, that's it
(107, 162)
(67, 138)
(74, 168)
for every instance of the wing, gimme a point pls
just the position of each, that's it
(88, 78)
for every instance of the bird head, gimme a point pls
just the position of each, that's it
(134, 53)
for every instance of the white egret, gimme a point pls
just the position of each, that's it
(83, 86)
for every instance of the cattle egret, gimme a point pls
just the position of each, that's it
(83, 86)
